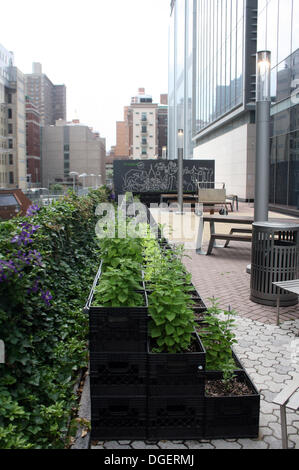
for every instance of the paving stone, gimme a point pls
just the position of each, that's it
(273, 442)
(269, 395)
(123, 443)
(98, 447)
(274, 386)
(252, 444)
(142, 445)
(221, 444)
(115, 445)
(170, 445)
(198, 445)
(295, 440)
(278, 378)
(266, 431)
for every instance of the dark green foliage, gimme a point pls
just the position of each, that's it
(46, 344)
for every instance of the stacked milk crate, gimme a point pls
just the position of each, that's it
(118, 370)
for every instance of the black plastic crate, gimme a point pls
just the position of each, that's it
(118, 329)
(175, 418)
(114, 329)
(175, 374)
(114, 374)
(232, 417)
(118, 418)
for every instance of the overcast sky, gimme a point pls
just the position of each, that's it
(102, 50)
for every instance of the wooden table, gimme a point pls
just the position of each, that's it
(224, 219)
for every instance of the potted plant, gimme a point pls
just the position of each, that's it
(175, 353)
(232, 402)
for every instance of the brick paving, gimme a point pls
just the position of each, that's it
(264, 349)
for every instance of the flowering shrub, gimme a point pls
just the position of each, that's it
(48, 260)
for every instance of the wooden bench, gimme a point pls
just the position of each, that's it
(227, 237)
(238, 230)
(288, 398)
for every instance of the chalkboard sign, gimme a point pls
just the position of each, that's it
(160, 176)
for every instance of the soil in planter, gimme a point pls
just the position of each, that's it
(217, 388)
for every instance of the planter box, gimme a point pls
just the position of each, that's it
(117, 329)
(177, 374)
(175, 418)
(119, 418)
(232, 417)
(122, 374)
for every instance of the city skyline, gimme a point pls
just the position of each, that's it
(103, 54)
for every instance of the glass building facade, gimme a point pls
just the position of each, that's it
(181, 75)
(220, 59)
(212, 85)
(278, 31)
(210, 64)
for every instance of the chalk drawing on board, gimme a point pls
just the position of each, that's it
(162, 177)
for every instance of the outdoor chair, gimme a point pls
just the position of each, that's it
(288, 398)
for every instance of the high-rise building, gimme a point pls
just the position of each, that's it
(49, 99)
(12, 124)
(122, 148)
(72, 147)
(33, 143)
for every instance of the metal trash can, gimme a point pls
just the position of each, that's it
(274, 258)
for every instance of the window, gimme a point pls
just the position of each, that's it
(66, 148)
(10, 130)
(9, 113)
(10, 143)
(11, 177)
(11, 159)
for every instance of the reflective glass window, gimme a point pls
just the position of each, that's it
(284, 29)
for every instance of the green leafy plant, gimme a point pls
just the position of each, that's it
(172, 318)
(118, 285)
(218, 338)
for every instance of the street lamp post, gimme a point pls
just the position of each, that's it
(164, 153)
(92, 175)
(74, 174)
(83, 176)
(263, 104)
(180, 168)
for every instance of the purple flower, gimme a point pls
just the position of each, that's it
(47, 297)
(32, 210)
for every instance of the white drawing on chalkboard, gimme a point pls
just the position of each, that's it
(162, 177)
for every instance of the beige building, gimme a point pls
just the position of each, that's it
(137, 134)
(13, 171)
(144, 123)
(72, 147)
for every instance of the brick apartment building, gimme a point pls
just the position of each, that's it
(33, 143)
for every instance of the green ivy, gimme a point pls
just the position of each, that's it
(46, 345)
